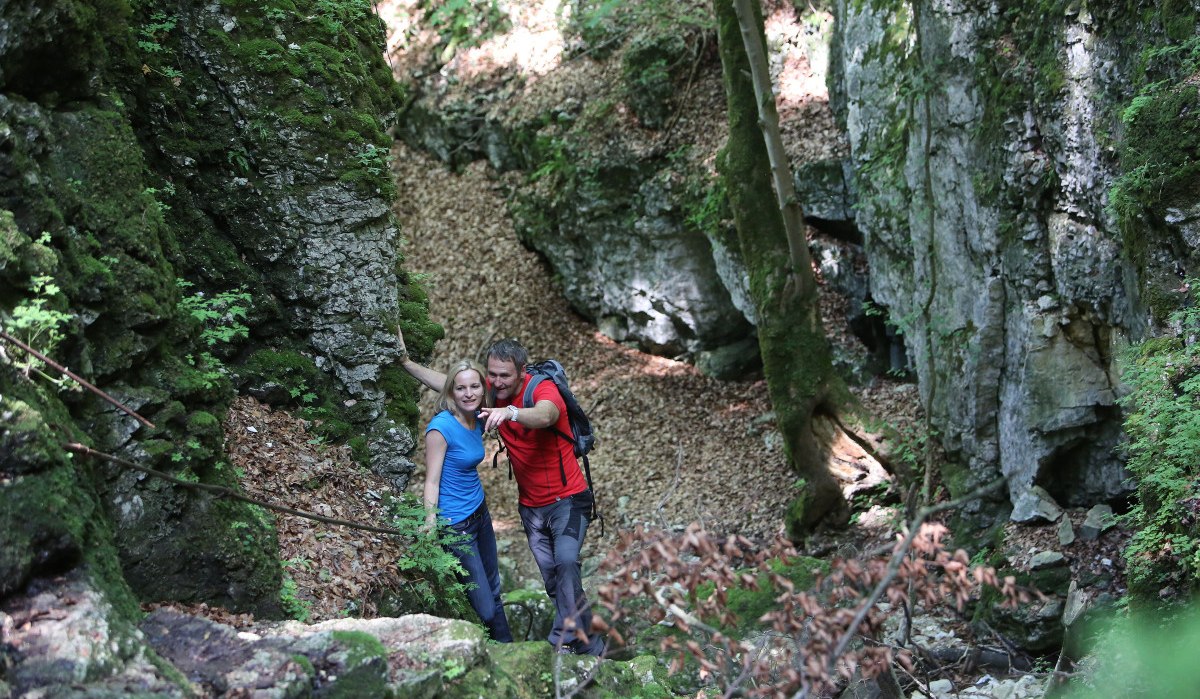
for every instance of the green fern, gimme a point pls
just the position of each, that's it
(1163, 424)
(429, 567)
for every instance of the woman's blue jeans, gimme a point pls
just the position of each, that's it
(477, 554)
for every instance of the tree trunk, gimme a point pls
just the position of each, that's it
(795, 353)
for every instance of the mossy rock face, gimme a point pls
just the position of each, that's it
(648, 69)
(748, 605)
(89, 646)
(1157, 197)
(85, 197)
(983, 171)
(643, 677)
(125, 169)
(271, 122)
(44, 512)
(355, 664)
(513, 671)
(51, 521)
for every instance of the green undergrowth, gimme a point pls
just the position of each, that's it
(1139, 656)
(1162, 421)
(1160, 167)
(431, 572)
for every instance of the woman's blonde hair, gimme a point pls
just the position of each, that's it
(446, 398)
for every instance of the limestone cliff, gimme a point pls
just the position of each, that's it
(985, 142)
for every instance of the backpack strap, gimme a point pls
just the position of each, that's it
(532, 383)
(527, 402)
(587, 472)
(496, 456)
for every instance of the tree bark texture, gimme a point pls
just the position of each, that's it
(796, 356)
(750, 23)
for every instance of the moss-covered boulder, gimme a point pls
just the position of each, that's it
(73, 641)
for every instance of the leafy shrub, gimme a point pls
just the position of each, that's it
(36, 322)
(431, 572)
(464, 23)
(1163, 424)
(1141, 657)
(220, 314)
(696, 583)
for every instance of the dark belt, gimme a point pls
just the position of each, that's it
(474, 516)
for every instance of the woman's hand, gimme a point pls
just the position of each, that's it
(400, 346)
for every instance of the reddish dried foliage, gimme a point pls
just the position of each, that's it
(665, 571)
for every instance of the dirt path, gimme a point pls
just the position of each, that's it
(674, 446)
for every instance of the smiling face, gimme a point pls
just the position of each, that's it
(467, 391)
(505, 378)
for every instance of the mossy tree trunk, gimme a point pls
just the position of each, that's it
(796, 355)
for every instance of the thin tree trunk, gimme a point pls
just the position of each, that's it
(796, 357)
(768, 120)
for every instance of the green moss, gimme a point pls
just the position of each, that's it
(364, 668)
(50, 520)
(21, 257)
(402, 391)
(748, 605)
(288, 368)
(644, 677)
(307, 389)
(648, 68)
(201, 382)
(250, 543)
(420, 333)
(203, 423)
(360, 449)
(514, 671)
(305, 664)
(1159, 158)
(361, 646)
(796, 520)
(1158, 153)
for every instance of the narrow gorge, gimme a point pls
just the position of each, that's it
(218, 214)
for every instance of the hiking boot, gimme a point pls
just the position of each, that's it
(596, 647)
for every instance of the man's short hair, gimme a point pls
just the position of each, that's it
(509, 350)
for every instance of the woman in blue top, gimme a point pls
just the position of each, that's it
(453, 450)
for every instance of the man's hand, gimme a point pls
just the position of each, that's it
(494, 417)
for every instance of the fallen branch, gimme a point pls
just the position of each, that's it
(76, 377)
(228, 492)
(658, 509)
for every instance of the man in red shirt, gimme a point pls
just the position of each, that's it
(555, 503)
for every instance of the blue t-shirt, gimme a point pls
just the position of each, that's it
(460, 493)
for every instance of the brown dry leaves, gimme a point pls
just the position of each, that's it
(333, 566)
(676, 445)
(665, 572)
(666, 432)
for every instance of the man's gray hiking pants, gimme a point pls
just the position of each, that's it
(555, 534)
